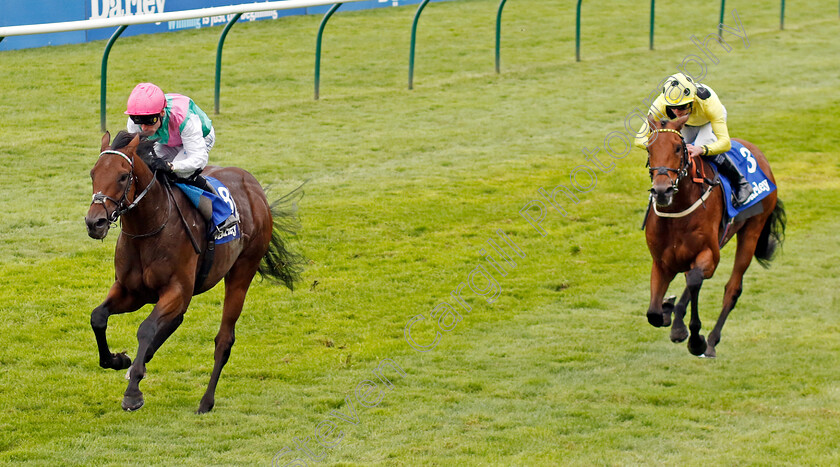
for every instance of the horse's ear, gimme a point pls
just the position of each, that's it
(680, 122)
(134, 142)
(651, 122)
(106, 141)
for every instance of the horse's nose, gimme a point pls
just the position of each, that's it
(662, 194)
(97, 227)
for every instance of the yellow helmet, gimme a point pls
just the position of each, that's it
(679, 89)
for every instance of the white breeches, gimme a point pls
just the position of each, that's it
(700, 135)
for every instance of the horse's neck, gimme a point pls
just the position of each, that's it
(151, 211)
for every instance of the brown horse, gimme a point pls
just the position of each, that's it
(155, 261)
(683, 234)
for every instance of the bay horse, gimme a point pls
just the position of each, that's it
(683, 233)
(155, 261)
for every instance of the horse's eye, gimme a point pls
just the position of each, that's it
(123, 178)
(677, 149)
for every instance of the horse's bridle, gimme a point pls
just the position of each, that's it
(122, 204)
(685, 163)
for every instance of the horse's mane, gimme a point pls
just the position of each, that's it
(145, 149)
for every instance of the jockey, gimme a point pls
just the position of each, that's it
(705, 131)
(182, 132)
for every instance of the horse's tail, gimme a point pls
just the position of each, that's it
(280, 263)
(772, 236)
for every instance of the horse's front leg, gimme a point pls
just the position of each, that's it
(170, 307)
(161, 336)
(660, 278)
(703, 268)
(696, 342)
(119, 300)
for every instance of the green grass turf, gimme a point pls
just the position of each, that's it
(404, 189)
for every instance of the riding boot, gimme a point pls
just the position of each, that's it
(200, 182)
(741, 188)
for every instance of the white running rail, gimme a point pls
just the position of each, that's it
(66, 26)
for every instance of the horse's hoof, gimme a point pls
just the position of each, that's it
(678, 334)
(205, 406)
(121, 361)
(130, 404)
(655, 319)
(697, 345)
(118, 361)
(710, 352)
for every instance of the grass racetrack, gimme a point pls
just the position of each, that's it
(405, 187)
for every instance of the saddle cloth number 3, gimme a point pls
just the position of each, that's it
(750, 159)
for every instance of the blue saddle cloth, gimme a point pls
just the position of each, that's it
(748, 165)
(222, 204)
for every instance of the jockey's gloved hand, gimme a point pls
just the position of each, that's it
(159, 165)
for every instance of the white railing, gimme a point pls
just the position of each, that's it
(124, 21)
(67, 26)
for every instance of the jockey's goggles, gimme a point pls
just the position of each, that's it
(680, 107)
(145, 119)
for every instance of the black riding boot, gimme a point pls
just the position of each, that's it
(199, 182)
(741, 189)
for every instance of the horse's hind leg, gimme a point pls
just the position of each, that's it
(747, 239)
(679, 332)
(118, 301)
(236, 286)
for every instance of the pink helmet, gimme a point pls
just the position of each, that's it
(145, 99)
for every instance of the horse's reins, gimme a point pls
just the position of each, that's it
(99, 198)
(685, 164)
(121, 207)
(183, 220)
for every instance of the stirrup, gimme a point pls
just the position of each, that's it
(735, 201)
(228, 223)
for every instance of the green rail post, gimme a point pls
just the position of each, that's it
(499, 32)
(413, 42)
(318, 48)
(219, 58)
(652, 6)
(782, 19)
(577, 33)
(720, 24)
(104, 78)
